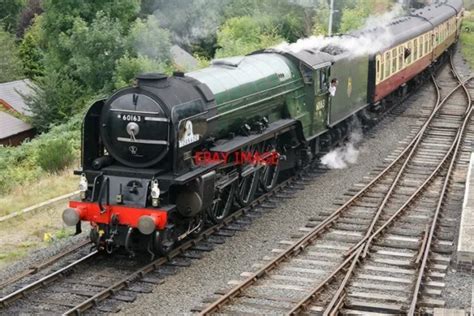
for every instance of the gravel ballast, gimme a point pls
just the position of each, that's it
(187, 289)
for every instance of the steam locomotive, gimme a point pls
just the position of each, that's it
(141, 187)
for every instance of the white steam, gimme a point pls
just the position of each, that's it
(346, 155)
(358, 44)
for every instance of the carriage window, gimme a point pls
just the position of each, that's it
(407, 53)
(400, 57)
(387, 65)
(422, 44)
(382, 68)
(415, 49)
(377, 71)
(426, 43)
(420, 48)
(394, 60)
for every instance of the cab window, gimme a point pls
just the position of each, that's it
(307, 73)
(323, 79)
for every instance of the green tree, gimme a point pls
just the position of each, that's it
(54, 99)
(60, 16)
(148, 50)
(147, 38)
(10, 9)
(128, 67)
(30, 51)
(10, 63)
(353, 19)
(285, 19)
(94, 50)
(243, 35)
(189, 21)
(321, 20)
(80, 43)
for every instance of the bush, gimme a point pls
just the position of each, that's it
(128, 67)
(243, 35)
(55, 155)
(56, 97)
(467, 38)
(20, 164)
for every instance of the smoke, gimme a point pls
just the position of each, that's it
(356, 44)
(382, 20)
(342, 157)
(190, 21)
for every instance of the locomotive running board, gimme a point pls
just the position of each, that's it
(273, 129)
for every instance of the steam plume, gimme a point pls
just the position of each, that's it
(341, 157)
(357, 43)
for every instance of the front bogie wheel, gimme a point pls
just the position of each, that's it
(165, 240)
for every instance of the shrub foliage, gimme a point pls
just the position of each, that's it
(55, 155)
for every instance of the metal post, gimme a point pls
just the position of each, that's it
(331, 12)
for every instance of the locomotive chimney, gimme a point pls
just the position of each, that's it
(152, 79)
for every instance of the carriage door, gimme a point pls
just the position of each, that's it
(321, 97)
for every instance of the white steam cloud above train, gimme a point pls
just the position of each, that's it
(362, 44)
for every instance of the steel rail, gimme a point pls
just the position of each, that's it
(427, 246)
(401, 171)
(10, 298)
(365, 242)
(307, 239)
(36, 268)
(356, 251)
(140, 273)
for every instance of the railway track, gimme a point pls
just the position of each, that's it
(101, 282)
(37, 268)
(386, 249)
(80, 285)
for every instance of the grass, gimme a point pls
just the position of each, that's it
(467, 37)
(47, 187)
(24, 234)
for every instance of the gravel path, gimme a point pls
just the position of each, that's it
(191, 285)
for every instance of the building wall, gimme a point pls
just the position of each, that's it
(17, 139)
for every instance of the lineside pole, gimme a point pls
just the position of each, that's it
(331, 13)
